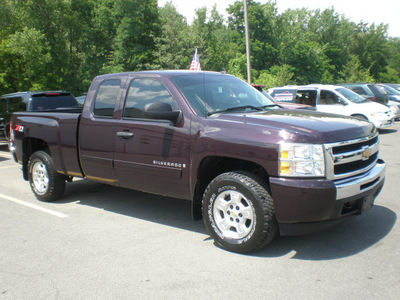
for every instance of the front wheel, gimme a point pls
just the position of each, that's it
(238, 212)
(45, 182)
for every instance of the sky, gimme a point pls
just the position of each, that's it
(368, 11)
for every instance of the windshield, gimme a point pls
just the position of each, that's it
(391, 90)
(350, 95)
(209, 93)
(267, 95)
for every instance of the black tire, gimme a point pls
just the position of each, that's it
(45, 182)
(238, 212)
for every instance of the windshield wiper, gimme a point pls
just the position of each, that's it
(237, 108)
(271, 105)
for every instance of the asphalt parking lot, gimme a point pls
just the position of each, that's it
(100, 242)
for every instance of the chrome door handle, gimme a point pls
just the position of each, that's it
(125, 134)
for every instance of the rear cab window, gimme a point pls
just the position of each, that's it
(106, 98)
(52, 101)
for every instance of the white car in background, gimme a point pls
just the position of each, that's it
(337, 100)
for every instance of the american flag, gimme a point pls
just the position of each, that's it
(195, 66)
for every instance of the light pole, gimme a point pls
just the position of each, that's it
(246, 24)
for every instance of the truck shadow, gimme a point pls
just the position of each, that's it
(344, 240)
(153, 208)
(387, 131)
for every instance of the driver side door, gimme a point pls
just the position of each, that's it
(151, 155)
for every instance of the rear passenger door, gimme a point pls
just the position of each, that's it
(151, 155)
(96, 131)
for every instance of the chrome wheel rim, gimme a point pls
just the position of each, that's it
(40, 178)
(234, 214)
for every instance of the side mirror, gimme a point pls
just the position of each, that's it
(341, 101)
(161, 111)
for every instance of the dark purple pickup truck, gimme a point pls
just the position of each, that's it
(250, 168)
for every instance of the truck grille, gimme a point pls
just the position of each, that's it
(351, 158)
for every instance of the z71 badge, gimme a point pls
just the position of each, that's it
(19, 128)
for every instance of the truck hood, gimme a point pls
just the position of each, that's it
(299, 126)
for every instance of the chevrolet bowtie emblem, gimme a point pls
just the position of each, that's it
(366, 154)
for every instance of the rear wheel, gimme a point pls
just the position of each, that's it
(45, 182)
(238, 212)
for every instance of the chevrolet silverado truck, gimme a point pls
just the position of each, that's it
(250, 168)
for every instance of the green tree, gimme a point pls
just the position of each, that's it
(276, 76)
(355, 72)
(370, 45)
(61, 25)
(173, 43)
(134, 43)
(212, 37)
(262, 25)
(63, 44)
(32, 61)
(309, 62)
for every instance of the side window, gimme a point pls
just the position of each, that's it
(3, 107)
(16, 104)
(143, 91)
(306, 97)
(106, 98)
(359, 90)
(327, 97)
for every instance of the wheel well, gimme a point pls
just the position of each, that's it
(211, 167)
(30, 146)
(359, 116)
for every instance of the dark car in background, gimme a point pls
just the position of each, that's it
(1, 126)
(32, 101)
(396, 86)
(393, 93)
(370, 91)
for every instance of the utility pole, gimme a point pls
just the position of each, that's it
(246, 24)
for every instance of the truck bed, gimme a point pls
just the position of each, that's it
(58, 129)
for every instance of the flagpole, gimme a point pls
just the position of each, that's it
(246, 24)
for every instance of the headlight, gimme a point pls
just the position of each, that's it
(379, 114)
(301, 160)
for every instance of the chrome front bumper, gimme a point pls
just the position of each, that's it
(356, 185)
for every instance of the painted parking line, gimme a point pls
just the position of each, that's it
(42, 209)
(10, 167)
(5, 153)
